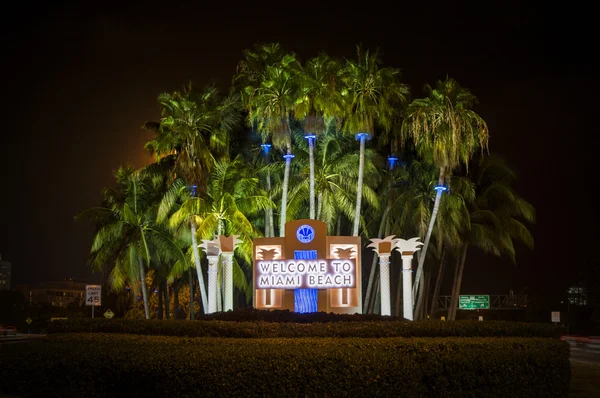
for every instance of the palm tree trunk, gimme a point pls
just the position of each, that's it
(382, 227)
(191, 283)
(176, 307)
(311, 156)
(338, 229)
(198, 268)
(459, 274)
(144, 287)
(423, 255)
(438, 284)
(398, 300)
(166, 300)
(286, 179)
(361, 169)
(269, 227)
(160, 301)
(320, 206)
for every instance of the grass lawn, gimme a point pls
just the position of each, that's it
(585, 381)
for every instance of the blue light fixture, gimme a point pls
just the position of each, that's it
(363, 136)
(310, 136)
(192, 189)
(441, 188)
(266, 148)
(288, 156)
(392, 161)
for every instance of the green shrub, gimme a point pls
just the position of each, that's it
(260, 329)
(109, 365)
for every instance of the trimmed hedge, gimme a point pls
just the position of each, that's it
(109, 365)
(328, 329)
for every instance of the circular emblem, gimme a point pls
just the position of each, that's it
(305, 233)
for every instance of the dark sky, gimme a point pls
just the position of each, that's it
(80, 81)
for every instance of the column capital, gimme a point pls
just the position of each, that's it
(383, 247)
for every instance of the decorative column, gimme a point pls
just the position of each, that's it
(383, 248)
(212, 250)
(407, 248)
(227, 245)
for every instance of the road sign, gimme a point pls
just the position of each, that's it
(93, 295)
(109, 314)
(481, 302)
(28, 320)
(555, 316)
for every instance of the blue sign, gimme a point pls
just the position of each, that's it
(305, 233)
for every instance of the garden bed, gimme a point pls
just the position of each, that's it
(107, 365)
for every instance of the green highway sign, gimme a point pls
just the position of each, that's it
(481, 302)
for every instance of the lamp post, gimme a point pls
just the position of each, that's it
(383, 248)
(407, 248)
(212, 250)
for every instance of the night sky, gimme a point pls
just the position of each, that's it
(79, 83)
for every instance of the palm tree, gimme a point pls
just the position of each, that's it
(233, 195)
(371, 95)
(250, 73)
(497, 215)
(194, 129)
(270, 106)
(127, 234)
(318, 105)
(446, 130)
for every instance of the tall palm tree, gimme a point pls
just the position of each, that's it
(233, 195)
(335, 181)
(250, 73)
(318, 105)
(372, 95)
(270, 106)
(497, 216)
(445, 129)
(127, 234)
(195, 130)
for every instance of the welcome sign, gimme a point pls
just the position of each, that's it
(305, 274)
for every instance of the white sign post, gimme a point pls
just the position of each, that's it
(555, 316)
(93, 296)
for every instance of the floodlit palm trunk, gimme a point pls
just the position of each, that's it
(438, 284)
(198, 268)
(269, 226)
(286, 179)
(423, 255)
(191, 284)
(144, 287)
(320, 207)
(372, 274)
(311, 155)
(458, 281)
(361, 168)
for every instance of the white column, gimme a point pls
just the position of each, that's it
(384, 278)
(213, 276)
(407, 286)
(227, 261)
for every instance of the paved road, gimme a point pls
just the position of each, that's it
(585, 354)
(19, 338)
